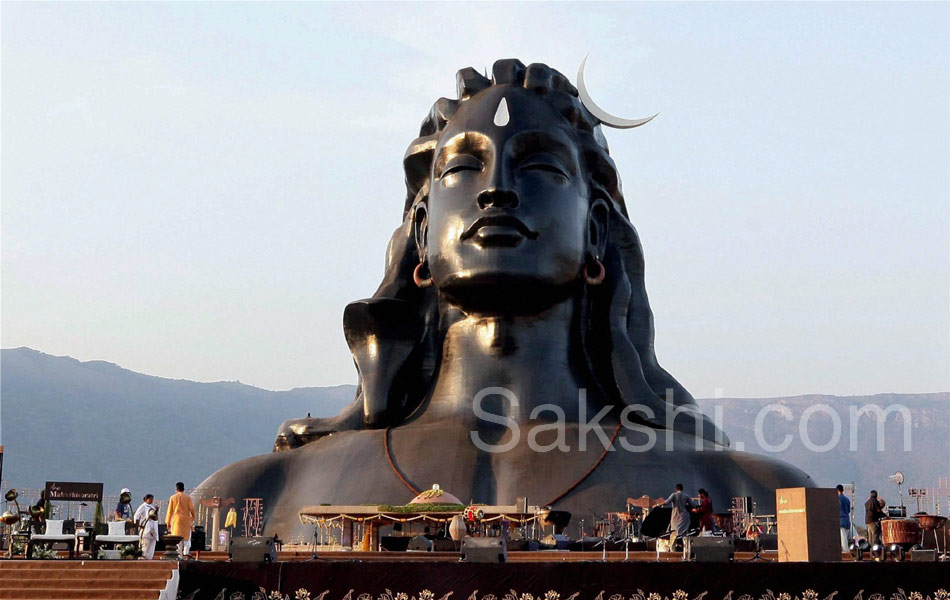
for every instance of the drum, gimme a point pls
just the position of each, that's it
(931, 522)
(473, 514)
(602, 529)
(723, 521)
(903, 532)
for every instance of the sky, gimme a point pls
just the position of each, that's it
(196, 190)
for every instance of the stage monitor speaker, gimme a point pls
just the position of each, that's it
(808, 524)
(420, 543)
(484, 550)
(252, 549)
(712, 549)
(923, 556)
(768, 541)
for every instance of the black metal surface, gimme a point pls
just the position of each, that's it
(513, 209)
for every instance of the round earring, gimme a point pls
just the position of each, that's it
(601, 273)
(417, 276)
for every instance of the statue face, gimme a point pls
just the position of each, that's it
(508, 199)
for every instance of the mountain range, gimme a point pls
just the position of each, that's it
(66, 420)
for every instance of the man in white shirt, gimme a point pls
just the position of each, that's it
(141, 513)
(149, 535)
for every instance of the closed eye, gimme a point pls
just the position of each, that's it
(545, 163)
(459, 163)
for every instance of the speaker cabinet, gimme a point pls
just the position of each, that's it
(808, 525)
(923, 556)
(420, 543)
(252, 549)
(768, 541)
(484, 550)
(712, 549)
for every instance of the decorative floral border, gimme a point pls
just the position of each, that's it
(808, 594)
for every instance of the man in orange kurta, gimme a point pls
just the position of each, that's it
(180, 517)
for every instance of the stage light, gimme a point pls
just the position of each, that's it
(897, 552)
(878, 552)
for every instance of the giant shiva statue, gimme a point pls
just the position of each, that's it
(508, 351)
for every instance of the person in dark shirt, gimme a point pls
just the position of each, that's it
(123, 510)
(705, 511)
(873, 513)
(845, 517)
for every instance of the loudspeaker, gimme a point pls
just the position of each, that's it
(768, 541)
(252, 549)
(808, 520)
(420, 543)
(923, 556)
(484, 550)
(711, 549)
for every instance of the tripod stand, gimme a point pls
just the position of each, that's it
(757, 554)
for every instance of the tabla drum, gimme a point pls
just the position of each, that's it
(903, 532)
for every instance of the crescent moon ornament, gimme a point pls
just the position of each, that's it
(602, 115)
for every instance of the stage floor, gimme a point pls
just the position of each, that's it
(560, 578)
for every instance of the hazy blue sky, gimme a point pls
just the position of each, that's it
(197, 190)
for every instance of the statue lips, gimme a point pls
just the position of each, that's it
(498, 230)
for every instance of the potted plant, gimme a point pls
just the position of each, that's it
(130, 551)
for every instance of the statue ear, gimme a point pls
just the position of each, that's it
(598, 221)
(420, 228)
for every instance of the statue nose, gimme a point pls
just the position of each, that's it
(494, 197)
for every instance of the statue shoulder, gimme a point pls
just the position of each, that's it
(294, 433)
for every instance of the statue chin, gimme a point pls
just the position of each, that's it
(505, 293)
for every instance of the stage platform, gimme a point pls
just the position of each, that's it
(556, 576)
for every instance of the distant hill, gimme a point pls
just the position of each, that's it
(926, 460)
(68, 420)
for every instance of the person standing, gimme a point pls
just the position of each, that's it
(873, 513)
(844, 505)
(141, 513)
(149, 535)
(704, 511)
(679, 520)
(180, 517)
(123, 510)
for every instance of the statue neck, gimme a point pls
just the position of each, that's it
(530, 356)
